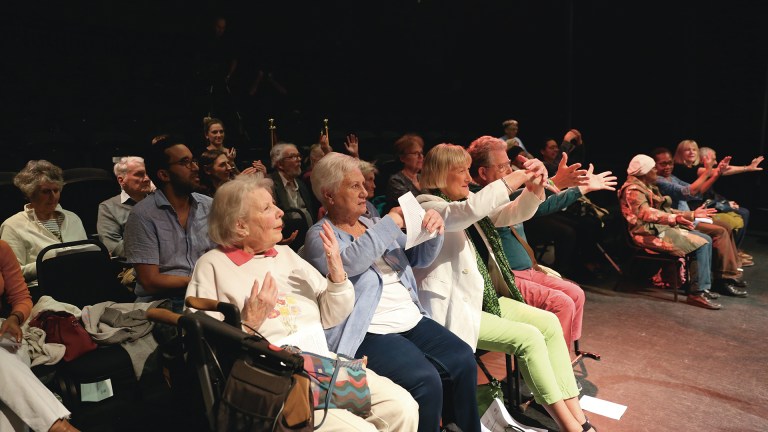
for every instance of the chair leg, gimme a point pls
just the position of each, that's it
(581, 354)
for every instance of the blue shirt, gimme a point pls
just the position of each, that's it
(382, 239)
(678, 190)
(153, 235)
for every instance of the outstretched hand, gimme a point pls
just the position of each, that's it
(603, 181)
(569, 175)
(754, 165)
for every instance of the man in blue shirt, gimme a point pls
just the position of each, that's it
(168, 230)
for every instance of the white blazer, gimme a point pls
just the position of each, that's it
(451, 288)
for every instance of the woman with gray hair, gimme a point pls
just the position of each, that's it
(283, 297)
(42, 222)
(388, 323)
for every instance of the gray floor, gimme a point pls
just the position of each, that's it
(678, 367)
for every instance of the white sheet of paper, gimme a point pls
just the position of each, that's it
(95, 392)
(602, 407)
(413, 215)
(497, 419)
(309, 338)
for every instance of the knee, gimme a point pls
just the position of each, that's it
(528, 339)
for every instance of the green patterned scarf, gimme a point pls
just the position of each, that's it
(490, 297)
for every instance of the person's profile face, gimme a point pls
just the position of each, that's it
(511, 130)
(183, 170)
(370, 184)
(351, 195)
(136, 180)
(457, 182)
(221, 168)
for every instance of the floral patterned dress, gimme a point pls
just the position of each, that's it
(651, 220)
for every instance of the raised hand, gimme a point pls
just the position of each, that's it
(573, 134)
(724, 165)
(569, 175)
(333, 257)
(261, 302)
(352, 145)
(754, 165)
(325, 145)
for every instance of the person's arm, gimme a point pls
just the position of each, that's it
(16, 291)
(110, 231)
(569, 175)
(557, 202)
(732, 169)
(638, 205)
(337, 297)
(21, 249)
(154, 282)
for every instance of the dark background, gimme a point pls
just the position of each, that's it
(84, 81)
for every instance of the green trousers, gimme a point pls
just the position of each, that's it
(535, 337)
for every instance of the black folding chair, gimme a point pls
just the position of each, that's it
(80, 273)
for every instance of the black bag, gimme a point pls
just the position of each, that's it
(256, 399)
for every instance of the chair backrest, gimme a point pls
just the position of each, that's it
(79, 273)
(85, 189)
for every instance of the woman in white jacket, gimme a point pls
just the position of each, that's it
(468, 289)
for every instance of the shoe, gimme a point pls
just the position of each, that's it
(744, 255)
(741, 283)
(711, 295)
(724, 286)
(702, 302)
(747, 263)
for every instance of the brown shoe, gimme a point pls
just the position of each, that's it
(702, 302)
(744, 255)
(747, 262)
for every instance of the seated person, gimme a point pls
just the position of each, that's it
(249, 270)
(113, 213)
(168, 230)
(511, 127)
(42, 222)
(387, 317)
(215, 170)
(462, 286)
(653, 224)
(24, 401)
(290, 192)
(724, 204)
(409, 148)
(562, 297)
(726, 260)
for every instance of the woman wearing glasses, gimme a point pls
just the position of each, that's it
(410, 149)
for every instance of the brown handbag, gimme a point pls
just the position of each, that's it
(64, 328)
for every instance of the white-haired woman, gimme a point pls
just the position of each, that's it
(42, 222)
(387, 323)
(282, 296)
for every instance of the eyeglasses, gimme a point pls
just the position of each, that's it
(417, 154)
(502, 166)
(666, 163)
(186, 162)
(292, 157)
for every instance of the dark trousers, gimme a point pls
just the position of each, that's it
(421, 360)
(739, 235)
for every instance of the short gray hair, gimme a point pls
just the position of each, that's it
(230, 205)
(277, 152)
(35, 173)
(368, 168)
(706, 151)
(329, 172)
(121, 167)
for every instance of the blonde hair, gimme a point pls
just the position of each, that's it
(684, 144)
(438, 161)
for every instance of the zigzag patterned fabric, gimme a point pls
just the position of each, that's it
(350, 387)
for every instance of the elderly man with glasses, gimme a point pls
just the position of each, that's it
(291, 194)
(168, 230)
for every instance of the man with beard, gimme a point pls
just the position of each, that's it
(168, 231)
(292, 195)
